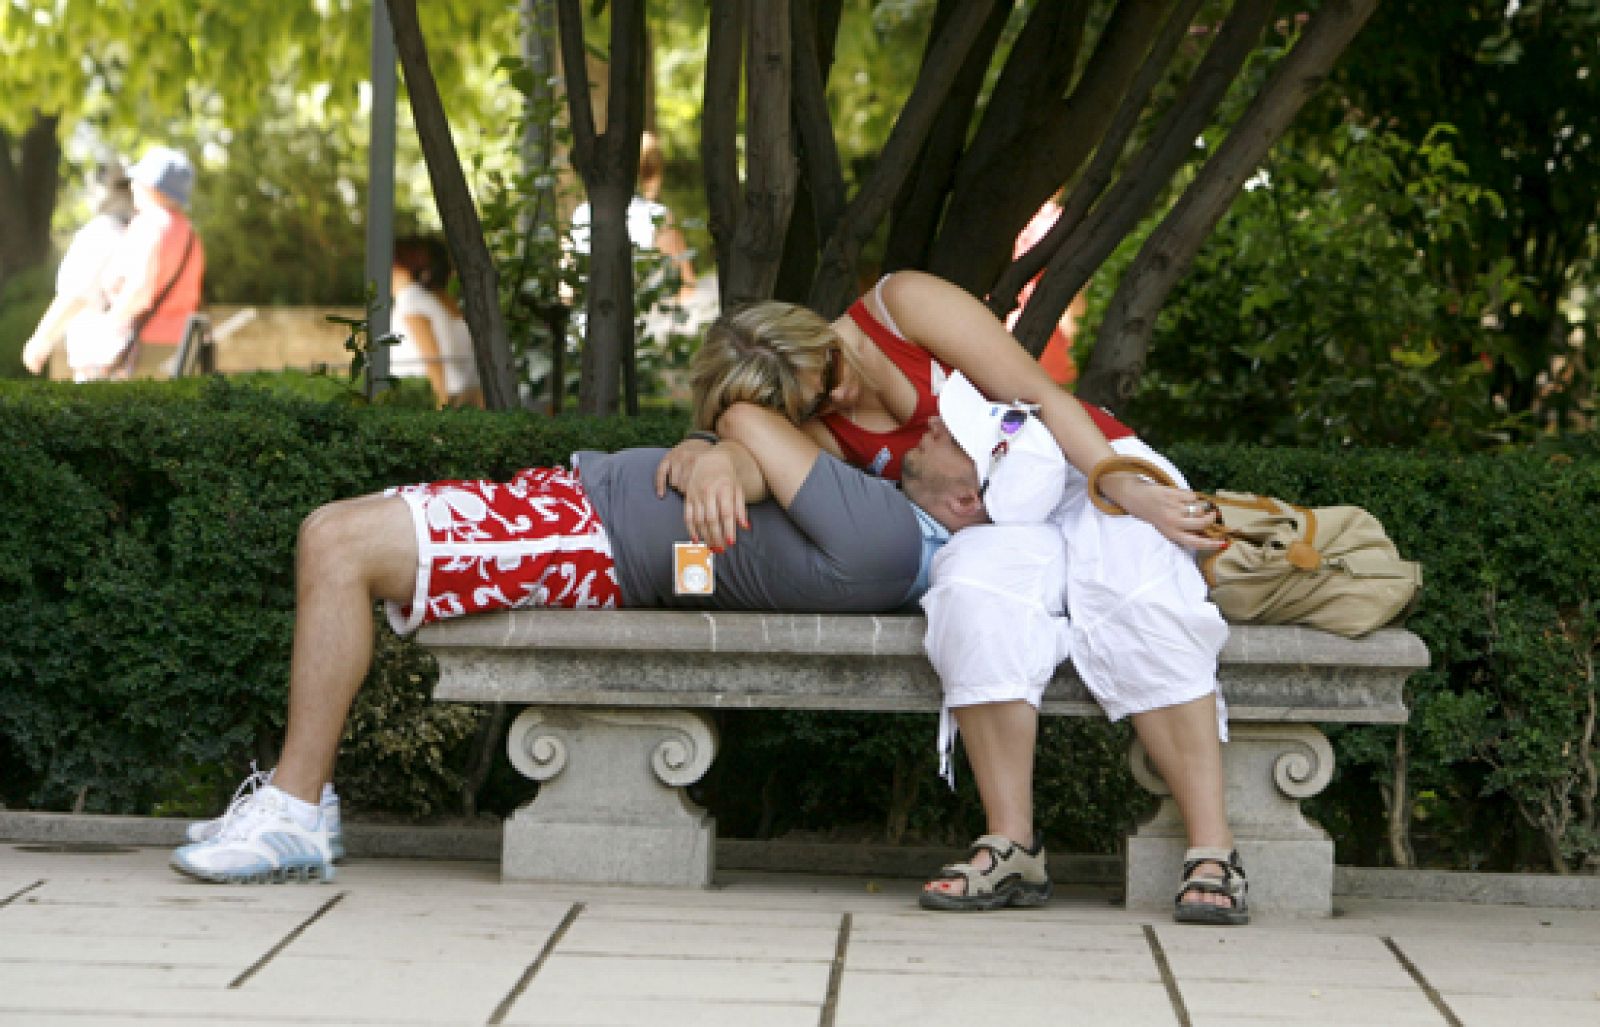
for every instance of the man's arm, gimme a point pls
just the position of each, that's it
(761, 456)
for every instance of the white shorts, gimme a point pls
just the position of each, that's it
(1129, 608)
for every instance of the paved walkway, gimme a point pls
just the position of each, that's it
(116, 937)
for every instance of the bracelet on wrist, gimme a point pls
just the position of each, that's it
(703, 436)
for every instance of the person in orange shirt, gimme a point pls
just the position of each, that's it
(153, 281)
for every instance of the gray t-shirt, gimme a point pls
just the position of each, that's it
(849, 543)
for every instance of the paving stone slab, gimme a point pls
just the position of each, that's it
(872, 1000)
(755, 979)
(1219, 1002)
(1523, 1009)
(294, 986)
(667, 939)
(583, 1011)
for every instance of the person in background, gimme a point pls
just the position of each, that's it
(434, 340)
(1056, 358)
(153, 280)
(80, 293)
(650, 222)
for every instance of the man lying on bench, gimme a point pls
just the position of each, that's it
(818, 536)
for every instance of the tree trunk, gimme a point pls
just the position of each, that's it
(770, 172)
(836, 277)
(1089, 187)
(463, 231)
(824, 178)
(1016, 163)
(30, 177)
(1083, 248)
(914, 219)
(719, 127)
(608, 163)
(1118, 359)
(538, 155)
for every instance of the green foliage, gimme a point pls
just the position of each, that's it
(543, 278)
(1522, 84)
(146, 583)
(1502, 748)
(282, 219)
(23, 300)
(146, 576)
(1330, 305)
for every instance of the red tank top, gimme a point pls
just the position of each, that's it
(880, 452)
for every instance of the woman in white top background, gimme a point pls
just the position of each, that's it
(79, 287)
(434, 341)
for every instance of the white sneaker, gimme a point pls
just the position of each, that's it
(205, 830)
(259, 842)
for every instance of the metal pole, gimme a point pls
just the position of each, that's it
(380, 191)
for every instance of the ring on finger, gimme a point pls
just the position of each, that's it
(1194, 509)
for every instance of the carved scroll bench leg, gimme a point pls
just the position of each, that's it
(611, 807)
(1267, 769)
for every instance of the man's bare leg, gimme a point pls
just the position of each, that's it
(1182, 743)
(349, 554)
(999, 739)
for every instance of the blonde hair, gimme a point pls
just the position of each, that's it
(756, 354)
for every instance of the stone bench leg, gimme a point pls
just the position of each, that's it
(1267, 769)
(611, 808)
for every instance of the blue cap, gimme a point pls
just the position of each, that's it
(167, 171)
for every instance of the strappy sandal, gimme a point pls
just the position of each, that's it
(1231, 885)
(1017, 877)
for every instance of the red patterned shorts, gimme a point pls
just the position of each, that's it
(484, 545)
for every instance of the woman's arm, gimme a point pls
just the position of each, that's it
(954, 326)
(420, 331)
(761, 456)
(36, 352)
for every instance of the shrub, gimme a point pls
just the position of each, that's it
(146, 588)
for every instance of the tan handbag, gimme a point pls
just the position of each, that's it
(1329, 567)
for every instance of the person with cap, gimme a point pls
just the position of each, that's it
(821, 537)
(153, 280)
(1122, 597)
(80, 294)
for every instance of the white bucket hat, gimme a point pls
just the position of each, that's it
(1020, 467)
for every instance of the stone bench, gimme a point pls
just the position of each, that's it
(617, 728)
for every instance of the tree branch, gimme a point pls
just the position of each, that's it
(1124, 338)
(771, 175)
(995, 188)
(719, 125)
(815, 124)
(915, 216)
(462, 228)
(1087, 246)
(575, 72)
(1101, 168)
(861, 218)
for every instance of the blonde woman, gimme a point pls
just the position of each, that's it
(1121, 596)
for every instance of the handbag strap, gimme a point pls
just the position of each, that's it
(1301, 554)
(166, 290)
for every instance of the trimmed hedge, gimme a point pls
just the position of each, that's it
(146, 586)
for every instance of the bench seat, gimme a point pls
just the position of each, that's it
(617, 727)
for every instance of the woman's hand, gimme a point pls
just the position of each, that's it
(1180, 515)
(714, 501)
(674, 469)
(36, 353)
